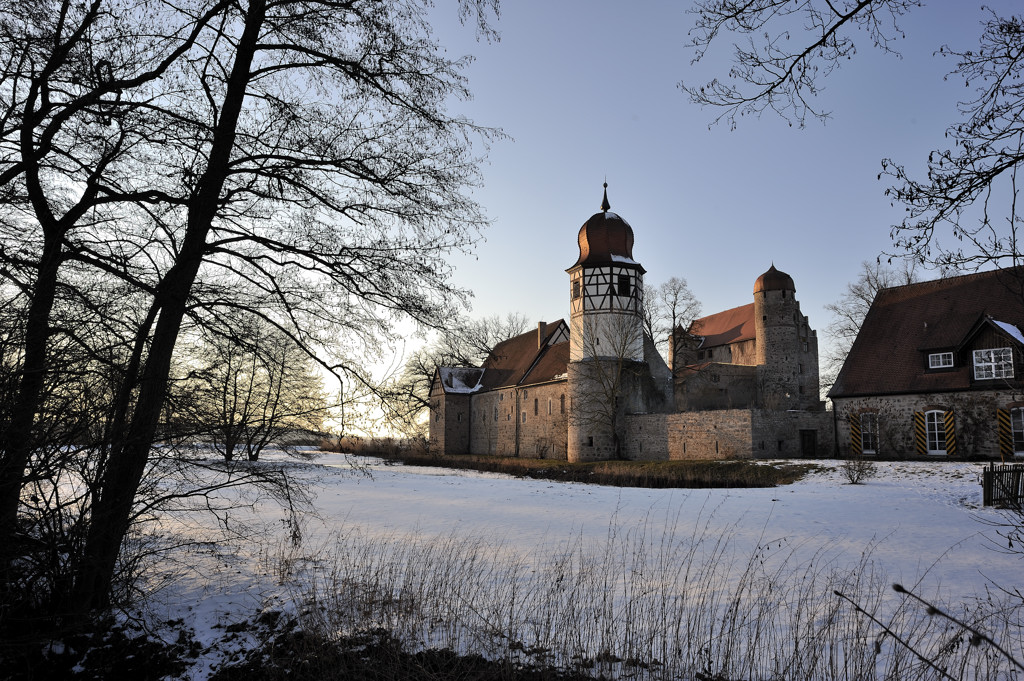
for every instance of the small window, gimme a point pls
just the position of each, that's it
(495, 413)
(590, 440)
(501, 397)
(561, 404)
(536, 406)
(526, 393)
(624, 288)
(549, 406)
(523, 417)
(993, 363)
(940, 360)
(459, 417)
(575, 288)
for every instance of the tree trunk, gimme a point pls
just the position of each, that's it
(16, 443)
(111, 518)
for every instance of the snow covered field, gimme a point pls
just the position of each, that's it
(917, 523)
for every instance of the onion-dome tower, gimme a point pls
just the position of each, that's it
(606, 290)
(606, 336)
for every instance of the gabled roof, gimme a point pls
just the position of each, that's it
(524, 358)
(906, 323)
(722, 328)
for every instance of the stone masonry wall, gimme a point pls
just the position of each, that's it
(493, 426)
(543, 421)
(729, 434)
(974, 420)
(792, 434)
(722, 434)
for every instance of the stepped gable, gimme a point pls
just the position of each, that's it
(728, 326)
(905, 323)
(510, 361)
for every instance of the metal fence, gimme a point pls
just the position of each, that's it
(1003, 485)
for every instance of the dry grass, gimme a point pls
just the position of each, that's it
(651, 603)
(653, 474)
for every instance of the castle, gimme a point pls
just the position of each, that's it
(738, 384)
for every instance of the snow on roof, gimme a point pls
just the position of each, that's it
(623, 259)
(1010, 329)
(616, 216)
(461, 380)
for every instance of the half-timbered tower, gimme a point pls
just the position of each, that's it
(606, 291)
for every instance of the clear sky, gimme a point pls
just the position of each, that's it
(588, 90)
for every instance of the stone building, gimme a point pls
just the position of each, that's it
(936, 371)
(740, 383)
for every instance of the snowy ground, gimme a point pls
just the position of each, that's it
(919, 523)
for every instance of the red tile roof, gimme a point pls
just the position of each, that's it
(725, 327)
(510, 361)
(904, 323)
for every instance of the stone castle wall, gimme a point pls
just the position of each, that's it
(728, 434)
(535, 418)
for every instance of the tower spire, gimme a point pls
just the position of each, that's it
(604, 203)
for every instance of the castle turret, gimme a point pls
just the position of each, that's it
(606, 334)
(787, 352)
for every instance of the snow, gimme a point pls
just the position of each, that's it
(1011, 330)
(918, 523)
(623, 259)
(461, 380)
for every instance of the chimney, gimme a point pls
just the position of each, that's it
(540, 335)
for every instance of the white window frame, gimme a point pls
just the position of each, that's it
(940, 360)
(1017, 430)
(869, 433)
(935, 432)
(991, 363)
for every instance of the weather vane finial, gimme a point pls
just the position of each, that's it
(604, 203)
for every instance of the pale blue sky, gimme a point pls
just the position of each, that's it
(588, 90)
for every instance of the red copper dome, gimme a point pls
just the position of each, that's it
(774, 280)
(605, 238)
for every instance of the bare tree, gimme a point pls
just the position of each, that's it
(464, 343)
(607, 380)
(295, 159)
(963, 213)
(849, 311)
(247, 391)
(668, 309)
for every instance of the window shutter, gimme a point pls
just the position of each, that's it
(950, 433)
(855, 439)
(1005, 433)
(920, 436)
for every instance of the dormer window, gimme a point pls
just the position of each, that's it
(993, 363)
(940, 360)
